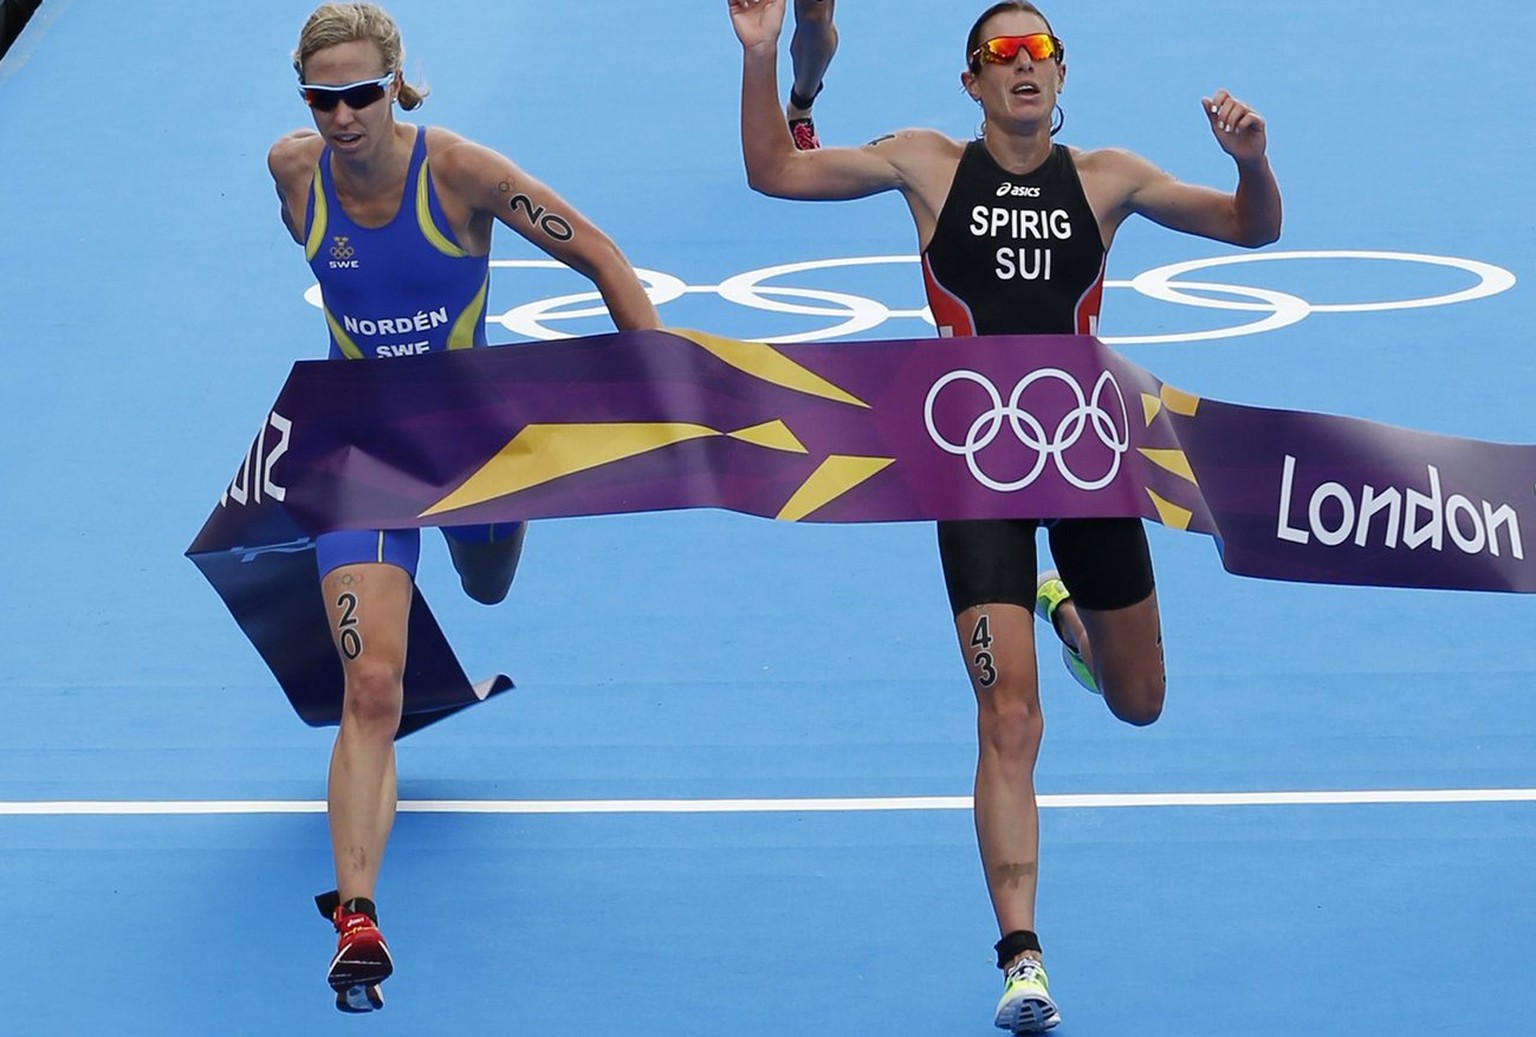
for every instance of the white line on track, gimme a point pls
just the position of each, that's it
(66, 808)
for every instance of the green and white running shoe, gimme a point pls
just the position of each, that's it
(1050, 592)
(1026, 1005)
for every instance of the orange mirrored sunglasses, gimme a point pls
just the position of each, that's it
(1001, 50)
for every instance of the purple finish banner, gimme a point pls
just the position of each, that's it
(993, 427)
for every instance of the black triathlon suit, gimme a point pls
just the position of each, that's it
(1022, 255)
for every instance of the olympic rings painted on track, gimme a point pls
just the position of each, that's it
(1284, 309)
(1031, 432)
(848, 314)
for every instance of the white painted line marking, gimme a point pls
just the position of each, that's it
(1099, 801)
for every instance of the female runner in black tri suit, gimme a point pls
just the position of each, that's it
(1013, 230)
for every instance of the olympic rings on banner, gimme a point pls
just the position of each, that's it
(1031, 431)
(843, 314)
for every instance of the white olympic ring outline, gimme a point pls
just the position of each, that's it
(856, 314)
(1051, 447)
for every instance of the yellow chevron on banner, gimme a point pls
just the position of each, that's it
(763, 362)
(1151, 407)
(1171, 515)
(1180, 402)
(542, 453)
(1174, 461)
(834, 477)
(775, 435)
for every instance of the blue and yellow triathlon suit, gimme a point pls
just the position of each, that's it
(1022, 255)
(398, 290)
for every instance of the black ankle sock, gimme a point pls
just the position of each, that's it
(1015, 944)
(804, 103)
(329, 901)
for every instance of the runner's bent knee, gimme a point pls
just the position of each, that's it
(813, 12)
(1137, 701)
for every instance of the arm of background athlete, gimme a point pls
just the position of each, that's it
(774, 167)
(1250, 216)
(291, 161)
(492, 183)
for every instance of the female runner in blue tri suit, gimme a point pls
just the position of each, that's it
(396, 223)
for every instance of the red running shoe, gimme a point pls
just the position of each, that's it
(804, 133)
(362, 958)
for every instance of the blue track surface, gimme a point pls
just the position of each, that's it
(152, 305)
